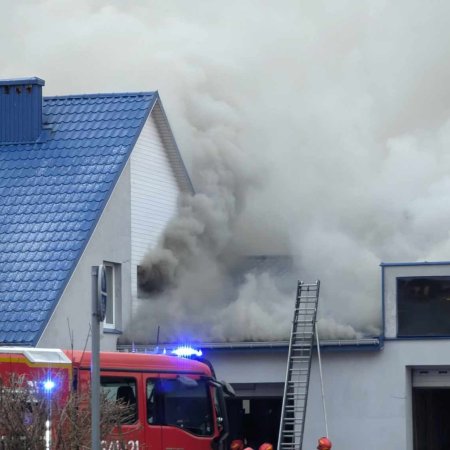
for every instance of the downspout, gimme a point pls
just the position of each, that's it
(383, 308)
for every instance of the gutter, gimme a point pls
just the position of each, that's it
(417, 263)
(372, 343)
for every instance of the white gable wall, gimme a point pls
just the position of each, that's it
(111, 242)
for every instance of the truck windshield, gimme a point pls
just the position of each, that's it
(182, 404)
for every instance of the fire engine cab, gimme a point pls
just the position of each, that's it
(177, 402)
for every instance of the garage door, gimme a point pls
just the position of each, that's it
(431, 378)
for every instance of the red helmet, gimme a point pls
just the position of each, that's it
(237, 444)
(324, 444)
(266, 446)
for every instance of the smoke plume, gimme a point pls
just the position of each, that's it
(313, 129)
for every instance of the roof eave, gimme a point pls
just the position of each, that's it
(170, 141)
(369, 343)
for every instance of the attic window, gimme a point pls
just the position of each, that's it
(18, 89)
(423, 306)
(29, 88)
(6, 89)
(114, 289)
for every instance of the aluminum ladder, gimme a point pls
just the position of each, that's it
(295, 396)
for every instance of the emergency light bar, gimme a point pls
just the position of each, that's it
(185, 351)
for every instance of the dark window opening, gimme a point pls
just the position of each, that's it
(254, 420)
(179, 403)
(423, 306)
(152, 279)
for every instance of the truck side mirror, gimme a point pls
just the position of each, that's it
(228, 389)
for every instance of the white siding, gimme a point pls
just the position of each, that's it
(154, 194)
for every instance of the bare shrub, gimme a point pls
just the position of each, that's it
(33, 419)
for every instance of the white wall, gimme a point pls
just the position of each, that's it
(368, 393)
(247, 366)
(111, 241)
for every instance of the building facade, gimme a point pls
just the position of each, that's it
(388, 392)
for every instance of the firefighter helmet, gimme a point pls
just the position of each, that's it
(237, 444)
(266, 446)
(324, 444)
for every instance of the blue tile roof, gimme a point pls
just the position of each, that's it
(52, 193)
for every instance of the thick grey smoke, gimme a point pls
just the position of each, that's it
(331, 120)
(187, 285)
(204, 226)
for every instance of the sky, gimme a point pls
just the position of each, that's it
(316, 129)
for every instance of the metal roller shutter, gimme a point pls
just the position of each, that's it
(431, 378)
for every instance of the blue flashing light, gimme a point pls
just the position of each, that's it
(186, 351)
(49, 385)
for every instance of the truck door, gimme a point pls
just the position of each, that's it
(125, 387)
(152, 419)
(183, 407)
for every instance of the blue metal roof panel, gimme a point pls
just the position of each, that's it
(52, 193)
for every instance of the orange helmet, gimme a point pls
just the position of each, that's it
(324, 444)
(237, 444)
(266, 446)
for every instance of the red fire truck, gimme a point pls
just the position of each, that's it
(177, 402)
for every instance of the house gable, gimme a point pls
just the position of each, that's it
(52, 194)
(144, 199)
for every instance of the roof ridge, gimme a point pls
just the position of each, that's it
(102, 95)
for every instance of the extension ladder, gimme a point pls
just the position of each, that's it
(298, 367)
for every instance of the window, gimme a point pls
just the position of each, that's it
(182, 402)
(423, 306)
(113, 288)
(123, 390)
